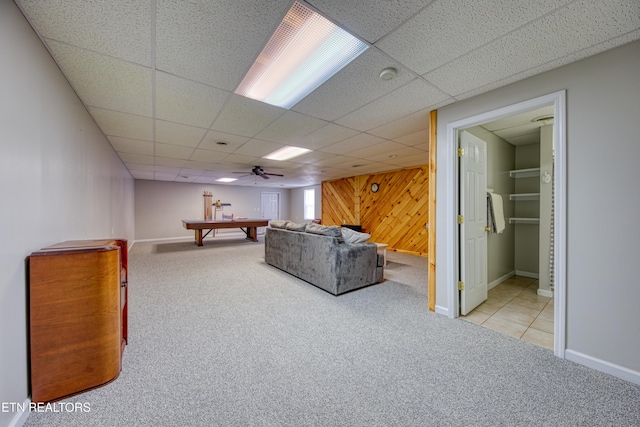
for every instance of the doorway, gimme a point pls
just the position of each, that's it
(452, 204)
(270, 208)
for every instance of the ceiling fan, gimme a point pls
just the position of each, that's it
(258, 171)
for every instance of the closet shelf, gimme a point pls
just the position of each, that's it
(524, 196)
(524, 173)
(524, 220)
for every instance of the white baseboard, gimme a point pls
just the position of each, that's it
(545, 293)
(603, 366)
(527, 274)
(442, 310)
(500, 280)
(21, 417)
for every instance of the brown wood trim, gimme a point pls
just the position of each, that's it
(431, 292)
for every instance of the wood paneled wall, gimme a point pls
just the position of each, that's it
(396, 214)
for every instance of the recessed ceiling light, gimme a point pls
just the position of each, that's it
(222, 143)
(226, 179)
(304, 52)
(356, 166)
(286, 153)
(393, 156)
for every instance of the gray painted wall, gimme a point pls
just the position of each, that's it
(161, 206)
(603, 101)
(296, 210)
(546, 165)
(59, 180)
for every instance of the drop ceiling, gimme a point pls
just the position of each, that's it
(158, 76)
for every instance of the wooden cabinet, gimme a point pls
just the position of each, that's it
(78, 316)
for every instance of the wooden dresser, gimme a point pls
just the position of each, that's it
(78, 316)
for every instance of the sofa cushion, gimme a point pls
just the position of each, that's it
(324, 230)
(278, 223)
(352, 236)
(292, 226)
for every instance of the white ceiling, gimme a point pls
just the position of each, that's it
(158, 76)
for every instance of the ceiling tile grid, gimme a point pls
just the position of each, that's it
(158, 76)
(117, 28)
(105, 82)
(186, 102)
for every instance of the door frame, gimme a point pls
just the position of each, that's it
(449, 260)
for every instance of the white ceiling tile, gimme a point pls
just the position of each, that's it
(173, 151)
(138, 174)
(169, 162)
(187, 102)
(326, 135)
(414, 96)
(199, 165)
(257, 148)
(519, 120)
(448, 29)
(103, 81)
(313, 157)
(136, 158)
(289, 127)
(568, 59)
(220, 42)
(140, 167)
(246, 117)
(241, 160)
(167, 169)
(177, 134)
(369, 20)
(114, 123)
(118, 28)
(166, 176)
(127, 145)
(360, 141)
(352, 87)
(402, 156)
(545, 40)
(412, 123)
(377, 149)
(213, 138)
(420, 137)
(208, 156)
(530, 128)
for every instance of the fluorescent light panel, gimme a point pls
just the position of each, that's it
(286, 153)
(226, 179)
(304, 52)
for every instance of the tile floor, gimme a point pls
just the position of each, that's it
(514, 308)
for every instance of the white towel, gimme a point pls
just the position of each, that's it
(498, 211)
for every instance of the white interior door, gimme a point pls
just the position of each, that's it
(473, 209)
(270, 208)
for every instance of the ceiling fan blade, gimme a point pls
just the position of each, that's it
(264, 175)
(273, 174)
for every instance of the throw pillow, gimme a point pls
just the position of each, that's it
(278, 223)
(292, 226)
(352, 236)
(324, 230)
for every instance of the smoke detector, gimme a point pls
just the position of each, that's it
(388, 73)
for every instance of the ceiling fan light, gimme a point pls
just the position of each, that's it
(286, 153)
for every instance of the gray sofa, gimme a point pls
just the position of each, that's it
(324, 261)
